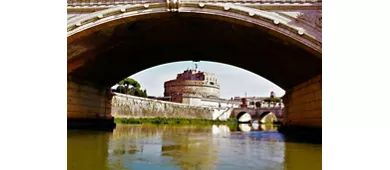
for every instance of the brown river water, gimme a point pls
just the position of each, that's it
(189, 147)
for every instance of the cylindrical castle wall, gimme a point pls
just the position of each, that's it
(201, 88)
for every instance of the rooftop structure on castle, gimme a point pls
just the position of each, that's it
(192, 83)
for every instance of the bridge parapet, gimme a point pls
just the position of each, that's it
(299, 21)
(272, 5)
(124, 2)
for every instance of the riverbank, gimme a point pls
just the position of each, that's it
(176, 121)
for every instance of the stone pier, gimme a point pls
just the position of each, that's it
(88, 106)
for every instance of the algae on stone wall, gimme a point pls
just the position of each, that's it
(177, 121)
(126, 106)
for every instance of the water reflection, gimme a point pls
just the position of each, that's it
(245, 127)
(269, 127)
(189, 147)
(86, 149)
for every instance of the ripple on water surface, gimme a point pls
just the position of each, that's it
(188, 147)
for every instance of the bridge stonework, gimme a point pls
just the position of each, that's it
(303, 104)
(88, 105)
(257, 113)
(297, 22)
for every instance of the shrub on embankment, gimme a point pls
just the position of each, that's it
(172, 121)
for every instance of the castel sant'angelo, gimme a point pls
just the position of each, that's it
(192, 84)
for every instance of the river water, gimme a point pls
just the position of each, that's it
(170, 147)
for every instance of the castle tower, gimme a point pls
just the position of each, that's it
(192, 83)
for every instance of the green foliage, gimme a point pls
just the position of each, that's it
(129, 81)
(121, 89)
(232, 121)
(134, 90)
(137, 92)
(275, 99)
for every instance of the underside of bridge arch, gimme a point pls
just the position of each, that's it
(100, 57)
(267, 117)
(262, 115)
(242, 119)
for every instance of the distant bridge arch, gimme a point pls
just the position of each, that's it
(243, 117)
(268, 114)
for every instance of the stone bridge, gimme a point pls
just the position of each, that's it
(105, 37)
(258, 113)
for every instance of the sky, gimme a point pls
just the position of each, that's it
(233, 81)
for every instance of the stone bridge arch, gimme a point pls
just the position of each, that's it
(99, 49)
(262, 115)
(266, 113)
(298, 31)
(245, 114)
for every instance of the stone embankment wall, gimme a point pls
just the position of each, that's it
(126, 106)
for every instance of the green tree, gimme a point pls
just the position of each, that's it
(131, 87)
(275, 99)
(137, 92)
(130, 81)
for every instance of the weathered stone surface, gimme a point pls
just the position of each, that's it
(201, 88)
(194, 83)
(86, 102)
(258, 113)
(125, 106)
(303, 105)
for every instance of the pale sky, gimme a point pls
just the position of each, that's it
(233, 81)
